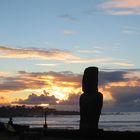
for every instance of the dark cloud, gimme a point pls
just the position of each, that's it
(62, 76)
(124, 89)
(66, 76)
(127, 96)
(20, 83)
(114, 76)
(45, 98)
(34, 99)
(69, 17)
(35, 80)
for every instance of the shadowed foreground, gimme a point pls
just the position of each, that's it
(66, 134)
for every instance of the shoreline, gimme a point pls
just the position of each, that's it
(24, 132)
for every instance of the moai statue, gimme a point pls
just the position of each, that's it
(91, 101)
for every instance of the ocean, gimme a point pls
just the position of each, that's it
(120, 121)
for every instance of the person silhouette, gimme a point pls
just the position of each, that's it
(91, 101)
(10, 121)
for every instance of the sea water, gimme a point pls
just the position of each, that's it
(122, 121)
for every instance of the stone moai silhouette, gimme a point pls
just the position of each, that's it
(91, 100)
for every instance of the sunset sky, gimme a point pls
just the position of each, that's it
(45, 45)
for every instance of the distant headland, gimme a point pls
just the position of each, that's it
(35, 111)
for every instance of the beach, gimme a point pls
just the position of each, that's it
(5, 136)
(65, 134)
(112, 125)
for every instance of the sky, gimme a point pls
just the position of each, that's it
(45, 45)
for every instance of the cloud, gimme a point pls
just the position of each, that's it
(102, 60)
(64, 88)
(109, 77)
(34, 99)
(47, 64)
(7, 52)
(73, 99)
(35, 80)
(123, 12)
(72, 103)
(38, 80)
(121, 3)
(55, 54)
(127, 98)
(46, 98)
(96, 60)
(121, 7)
(105, 78)
(89, 51)
(121, 90)
(125, 64)
(69, 32)
(69, 17)
(21, 81)
(92, 12)
(4, 74)
(126, 70)
(4, 100)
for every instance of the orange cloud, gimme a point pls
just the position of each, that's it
(7, 52)
(121, 7)
(55, 54)
(64, 85)
(4, 74)
(107, 95)
(132, 83)
(59, 84)
(132, 75)
(5, 100)
(121, 3)
(126, 64)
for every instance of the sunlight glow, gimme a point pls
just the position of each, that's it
(4, 100)
(106, 94)
(44, 105)
(61, 96)
(132, 83)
